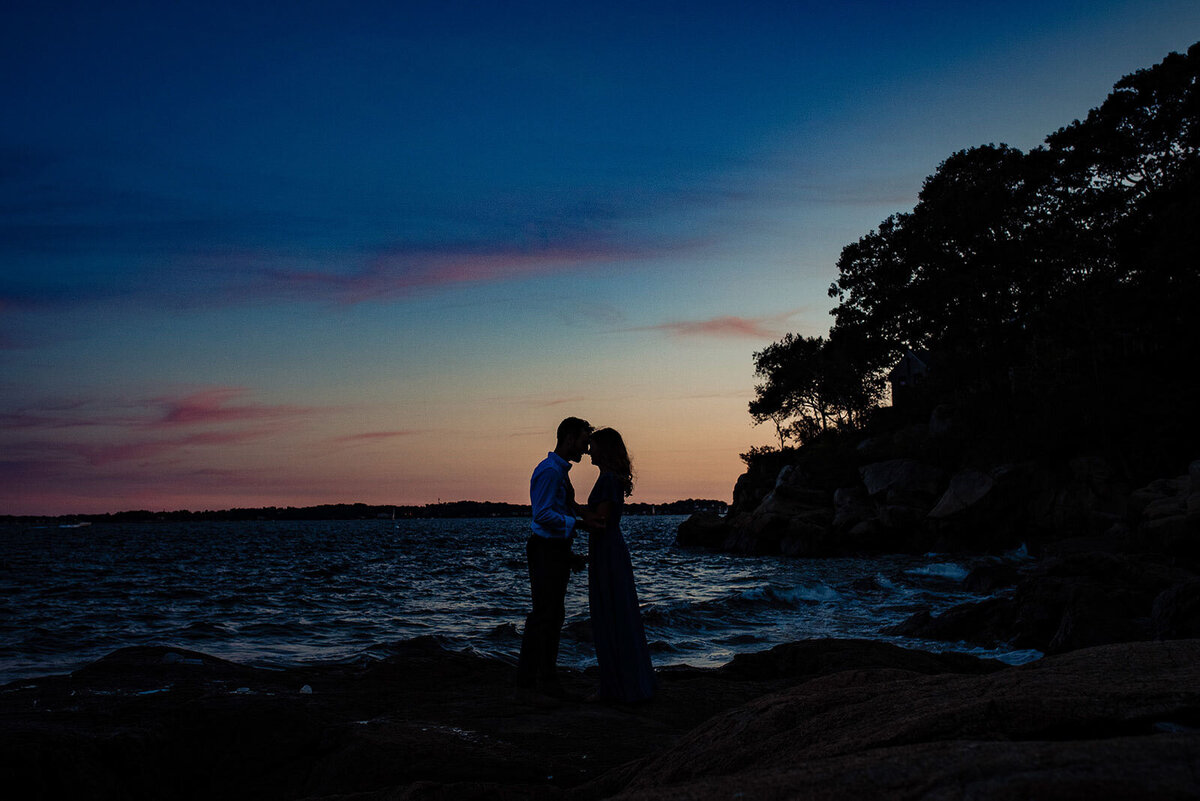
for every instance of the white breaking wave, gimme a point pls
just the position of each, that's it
(946, 570)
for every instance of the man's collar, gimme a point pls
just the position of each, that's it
(559, 460)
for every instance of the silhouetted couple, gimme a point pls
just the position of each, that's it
(620, 639)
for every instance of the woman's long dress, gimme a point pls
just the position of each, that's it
(621, 651)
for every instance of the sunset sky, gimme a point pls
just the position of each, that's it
(376, 251)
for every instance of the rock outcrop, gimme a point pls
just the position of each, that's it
(915, 493)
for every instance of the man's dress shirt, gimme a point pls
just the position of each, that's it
(549, 496)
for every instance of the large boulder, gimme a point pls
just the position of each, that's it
(1085, 497)
(902, 480)
(793, 519)
(967, 492)
(748, 492)
(792, 495)
(703, 529)
(984, 510)
(1167, 513)
(851, 506)
(991, 576)
(903, 491)
(988, 622)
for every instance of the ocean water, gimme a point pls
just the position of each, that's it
(282, 593)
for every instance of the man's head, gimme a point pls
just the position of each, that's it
(573, 435)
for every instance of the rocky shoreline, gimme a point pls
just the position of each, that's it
(919, 503)
(1114, 561)
(833, 719)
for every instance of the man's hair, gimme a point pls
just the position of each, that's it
(572, 426)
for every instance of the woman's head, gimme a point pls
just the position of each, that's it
(609, 454)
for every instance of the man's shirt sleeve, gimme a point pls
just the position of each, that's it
(543, 497)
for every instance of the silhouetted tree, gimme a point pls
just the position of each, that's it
(810, 384)
(1067, 276)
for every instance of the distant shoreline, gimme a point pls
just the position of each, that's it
(354, 511)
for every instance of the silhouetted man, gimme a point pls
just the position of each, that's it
(556, 517)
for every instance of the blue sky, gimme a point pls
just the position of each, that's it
(375, 251)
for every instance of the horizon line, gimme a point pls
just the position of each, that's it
(372, 506)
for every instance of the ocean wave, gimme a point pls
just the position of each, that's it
(885, 583)
(41, 640)
(949, 571)
(676, 646)
(814, 593)
(679, 616)
(754, 606)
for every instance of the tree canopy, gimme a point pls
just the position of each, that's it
(1067, 275)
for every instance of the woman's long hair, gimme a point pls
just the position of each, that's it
(609, 453)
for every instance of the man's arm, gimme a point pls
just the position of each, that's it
(543, 493)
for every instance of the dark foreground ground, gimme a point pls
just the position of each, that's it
(819, 719)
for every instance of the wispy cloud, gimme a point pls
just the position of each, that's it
(531, 432)
(401, 271)
(738, 394)
(213, 406)
(769, 326)
(62, 207)
(727, 326)
(101, 432)
(560, 401)
(373, 436)
(150, 448)
(64, 414)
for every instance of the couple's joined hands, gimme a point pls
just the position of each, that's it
(592, 521)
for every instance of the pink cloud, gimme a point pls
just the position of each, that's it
(399, 272)
(719, 326)
(211, 406)
(100, 433)
(206, 406)
(766, 327)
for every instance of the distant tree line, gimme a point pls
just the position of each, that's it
(359, 511)
(1056, 289)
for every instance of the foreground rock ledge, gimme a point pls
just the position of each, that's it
(824, 719)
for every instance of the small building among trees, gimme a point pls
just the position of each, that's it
(909, 373)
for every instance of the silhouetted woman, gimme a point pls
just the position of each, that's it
(621, 650)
